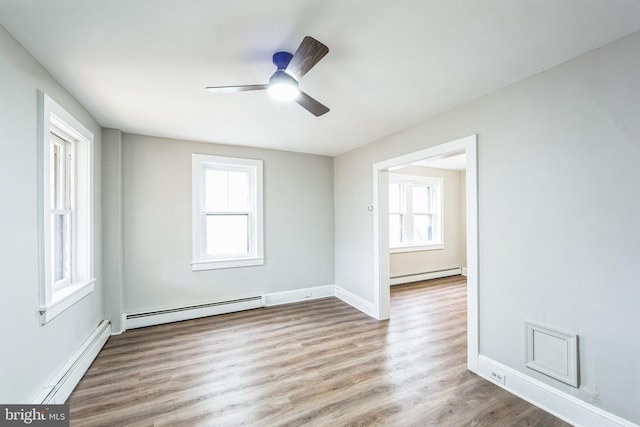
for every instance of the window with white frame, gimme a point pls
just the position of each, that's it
(66, 218)
(227, 212)
(61, 193)
(415, 212)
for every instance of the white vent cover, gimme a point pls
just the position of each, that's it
(552, 352)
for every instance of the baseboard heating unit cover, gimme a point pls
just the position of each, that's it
(157, 317)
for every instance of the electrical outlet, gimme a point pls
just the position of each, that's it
(497, 376)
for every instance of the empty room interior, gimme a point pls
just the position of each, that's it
(321, 213)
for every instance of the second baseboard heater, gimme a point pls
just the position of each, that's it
(157, 317)
(418, 277)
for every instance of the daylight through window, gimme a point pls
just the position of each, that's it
(415, 211)
(60, 169)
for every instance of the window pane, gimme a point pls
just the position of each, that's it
(60, 251)
(216, 187)
(227, 235)
(67, 165)
(422, 228)
(53, 175)
(395, 197)
(395, 229)
(238, 191)
(421, 198)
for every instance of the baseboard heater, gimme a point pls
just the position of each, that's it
(157, 317)
(62, 384)
(417, 277)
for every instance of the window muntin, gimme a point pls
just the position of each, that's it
(415, 211)
(227, 212)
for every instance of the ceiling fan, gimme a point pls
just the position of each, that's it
(283, 84)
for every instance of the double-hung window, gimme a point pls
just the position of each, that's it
(415, 212)
(66, 217)
(61, 195)
(227, 212)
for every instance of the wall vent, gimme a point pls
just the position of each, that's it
(552, 352)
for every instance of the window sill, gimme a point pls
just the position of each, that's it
(65, 298)
(416, 248)
(201, 265)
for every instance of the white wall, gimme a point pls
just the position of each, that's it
(112, 227)
(417, 262)
(298, 222)
(32, 354)
(559, 235)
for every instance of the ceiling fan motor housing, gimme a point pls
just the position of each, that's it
(281, 60)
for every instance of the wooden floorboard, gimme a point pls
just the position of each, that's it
(317, 363)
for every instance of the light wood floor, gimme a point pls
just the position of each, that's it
(318, 363)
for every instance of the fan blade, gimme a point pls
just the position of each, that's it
(309, 53)
(311, 105)
(233, 89)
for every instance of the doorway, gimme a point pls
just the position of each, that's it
(381, 282)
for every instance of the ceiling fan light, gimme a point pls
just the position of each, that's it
(283, 92)
(283, 87)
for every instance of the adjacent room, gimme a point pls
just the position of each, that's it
(321, 213)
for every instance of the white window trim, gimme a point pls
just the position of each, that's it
(438, 184)
(416, 248)
(200, 262)
(53, 116)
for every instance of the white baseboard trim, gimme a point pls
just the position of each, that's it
(140, 320)
(463, 271)
(298, 295)
(563, 405)
(123, 325)
(123, 322)
(425, 276)
(355, 301)
(177, 314)
(63, 383)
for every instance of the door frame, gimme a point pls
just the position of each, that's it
(381, 285)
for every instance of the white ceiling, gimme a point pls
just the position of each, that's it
(141, 66)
